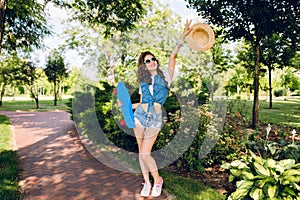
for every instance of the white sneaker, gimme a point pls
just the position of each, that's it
(146, 190)
(156, 190)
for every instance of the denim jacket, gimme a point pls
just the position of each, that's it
(160, 92)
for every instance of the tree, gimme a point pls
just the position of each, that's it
(290, 81)
(55, 71)
(296, 61)
(9, 67)
(22, 24)
(29, 78)
(241, 75)
(113, 15)
(118, 53)
(240, 80)
(222, 60)
(3, 5)
(253, 20)
(276, 51)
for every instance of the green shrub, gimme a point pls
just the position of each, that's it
(92, 111)
(190, 159)
(296, 93)
(238, 105)
(258, 178)
(280, 92)
(276, 150)
(102, 103)
(229, 146)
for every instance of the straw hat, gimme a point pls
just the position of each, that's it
(201, 38)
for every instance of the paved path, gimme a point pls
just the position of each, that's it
(56, 165)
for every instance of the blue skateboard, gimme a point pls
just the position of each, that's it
(123, 96)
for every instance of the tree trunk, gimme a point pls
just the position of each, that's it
(59, 91)
(35, 96)
(270, 87)
(3, 5)
(37, 103)
(55, 94)
(1, 97)
(256, 88)
(2, 94)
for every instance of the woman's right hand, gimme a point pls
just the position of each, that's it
(119, 103)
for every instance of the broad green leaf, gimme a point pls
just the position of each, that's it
(258, 177)
(288, 198)
(259, 160)
(291, 172)
(270, 180)
(297, 186)
(244, 184)
(261, 170)
(243, 166)
(252, 154)
(261, 183)
(297, 166)
(226, 165)
(236, 163)
(272, 148)
(272, 191)
(271, 163)
(264, 180)
(289, 191)
(287, 180)
(273, 171)
(235, 172)
(239, 194)
(256, 193)
(287, 163)
(231, 178)
(280, 168)
(247, 175)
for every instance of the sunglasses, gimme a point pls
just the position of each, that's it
(149, 60)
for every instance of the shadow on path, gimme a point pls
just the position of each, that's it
(55, 165)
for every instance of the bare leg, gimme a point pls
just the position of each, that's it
(139, 135)
(145, 152)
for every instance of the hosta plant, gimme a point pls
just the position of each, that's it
(258, 178)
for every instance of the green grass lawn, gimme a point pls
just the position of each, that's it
(29, 105)
(283, 112)
(5, 133)
(9, 169)
(188, 189)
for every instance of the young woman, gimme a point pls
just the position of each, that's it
(154, 88)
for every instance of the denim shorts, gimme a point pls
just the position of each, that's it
(147, 120)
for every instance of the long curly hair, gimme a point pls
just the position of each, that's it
(143, 74)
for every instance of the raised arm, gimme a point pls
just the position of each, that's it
(172, 59)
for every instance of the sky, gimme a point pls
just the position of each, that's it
(56, 16)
